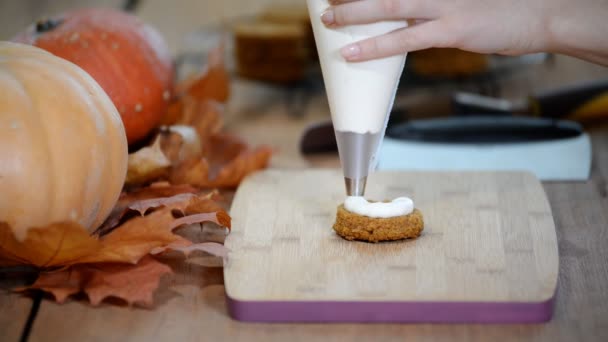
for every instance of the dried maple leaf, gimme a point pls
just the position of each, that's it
(134, 284)
(56, 245)
(138, 236)
(117, 264)
(227, 161)
(231, 174)
(174, 113)
(180, 142)
(193, 171)
(147, 164)
(206, 116)
(214, 84)
(135, 238)
(186, 247)
(65, 244)
(155, 190)
(151, 197)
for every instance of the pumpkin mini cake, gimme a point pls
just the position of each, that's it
(358, 219)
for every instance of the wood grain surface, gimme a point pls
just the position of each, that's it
(14, 308)
(488, 237)
(14, 312)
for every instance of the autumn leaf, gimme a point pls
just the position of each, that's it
(212, 84)
(117, 264)
(215, 81)
(127, 198)
(138, 236)
(55, 245)
(68, 243)
(227, 162)
(174, 113)
(135, 238)
(147, 164)
(151, 197)
(180, 142)
(135, 284)
(231, 174)
(186, 247)
(193, 171)
(156, 190)
(206, 116)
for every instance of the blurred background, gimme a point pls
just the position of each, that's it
(271, 56)
(190, 27)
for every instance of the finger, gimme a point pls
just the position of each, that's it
(419, 37)
(339, 2)
(370, 11)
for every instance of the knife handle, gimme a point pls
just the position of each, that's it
(579, 102)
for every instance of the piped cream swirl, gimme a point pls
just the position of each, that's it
(398, 207)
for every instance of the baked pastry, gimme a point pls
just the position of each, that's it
(355, 226)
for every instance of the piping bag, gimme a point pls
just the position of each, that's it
(360, 94)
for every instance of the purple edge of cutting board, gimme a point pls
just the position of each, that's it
(390, 312)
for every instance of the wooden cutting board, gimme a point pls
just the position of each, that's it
(488, 252)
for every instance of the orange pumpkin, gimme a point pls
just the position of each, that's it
(127, 58)
(63, 148)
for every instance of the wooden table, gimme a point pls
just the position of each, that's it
(191, 303)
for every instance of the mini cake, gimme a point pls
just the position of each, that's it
(358, 219)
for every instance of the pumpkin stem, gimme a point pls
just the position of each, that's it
(45, 25)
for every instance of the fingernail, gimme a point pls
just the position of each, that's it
(351, 51)
(328, 17)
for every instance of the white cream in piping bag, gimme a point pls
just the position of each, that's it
(360, 94)
(398, 207)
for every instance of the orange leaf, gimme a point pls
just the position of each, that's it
(186, 247)
(65, 244)
(207, 117)
(215, 81)
(135, 238)
(144, 205)
(231, 175)
(174, 113)
(180, 142)
(193, 171)
(134, 284)
(56, 245)
(140, 235)
(156, 191)
(227, 161)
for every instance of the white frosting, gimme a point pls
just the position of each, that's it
(398, 207)
(360, 94)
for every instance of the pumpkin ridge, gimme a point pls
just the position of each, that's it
(88, 84)
(60, 198)
(111, 138)
(35, 116)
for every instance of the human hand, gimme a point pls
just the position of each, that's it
(508, 27)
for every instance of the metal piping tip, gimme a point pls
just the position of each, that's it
(355, 187)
